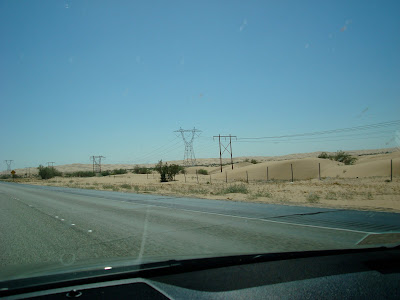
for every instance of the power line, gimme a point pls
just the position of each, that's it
(159, 154)
(141, 157)
(320, 138)
(356, 128)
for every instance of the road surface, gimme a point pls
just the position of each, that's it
(54, 226)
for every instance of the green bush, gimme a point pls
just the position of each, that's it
(105, 173)
(167, 172)
(253, 161)
(312, 198)
(236, 188)
(323, 155)
(340, 156)
(48, 172)
(141, 170)
(126, 186)
(202, 172)
(119, 171)
(80, 174)
(344, 157)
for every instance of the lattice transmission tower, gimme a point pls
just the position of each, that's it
(96, 163)
(8, 163)
(188, 135)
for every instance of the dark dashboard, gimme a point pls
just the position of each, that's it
(341, 274)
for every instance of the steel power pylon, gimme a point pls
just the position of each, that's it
(8, 163)
(96, 163)
(51, 163)
(225, 147)
(188, 136)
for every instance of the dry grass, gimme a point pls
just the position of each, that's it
(358, 193)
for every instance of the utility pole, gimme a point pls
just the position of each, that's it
(229, 145)
(50, 163)
(96, 163)
(188, 136)
(8, 163)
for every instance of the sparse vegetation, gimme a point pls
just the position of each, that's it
(48, 172)
(167, 172)
(323, 155)
(235, 188)
(253, 161)
(262, 193)
(340, 156)
(141, 170)
(200, 191)
(344, 157)
(80, 174)
(202, 172)
(331, 196)
(119, 171)
(126, 186)
(312, 198)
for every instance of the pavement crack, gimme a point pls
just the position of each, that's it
(305, 214)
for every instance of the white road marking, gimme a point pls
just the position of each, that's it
(264, 220)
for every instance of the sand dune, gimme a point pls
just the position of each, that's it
(370, 163)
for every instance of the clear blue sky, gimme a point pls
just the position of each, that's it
(116, 78)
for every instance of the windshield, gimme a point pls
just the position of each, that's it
(142, 131)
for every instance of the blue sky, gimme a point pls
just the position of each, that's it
(116, 78)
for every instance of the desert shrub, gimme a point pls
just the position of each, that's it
(331, 196)
(48, 172)
(105, 173)
(344, 157)
(126, 186)
(107, 186)
(202, 172)
(253, 161)
(236, 188)
(340, 156)
(262, 193)
(167, 172)
(141, 170)
(80, 174)
(312, 198)
(323, 155)
(136, 188)
(5, 176)
(201, 191)
(119, 171)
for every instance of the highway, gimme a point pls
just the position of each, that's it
(54, 226)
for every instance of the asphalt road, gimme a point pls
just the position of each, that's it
(52, 226)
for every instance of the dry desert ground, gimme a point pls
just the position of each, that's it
(365, 185)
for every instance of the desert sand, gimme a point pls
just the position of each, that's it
(365, 185)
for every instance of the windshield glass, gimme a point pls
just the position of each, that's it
(142, 131)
